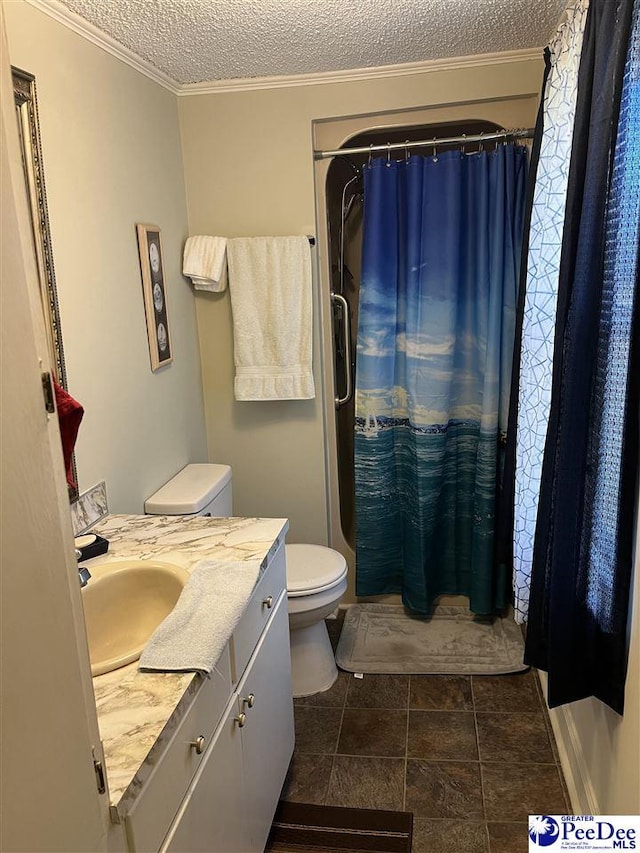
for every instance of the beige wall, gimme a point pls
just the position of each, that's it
(112, 158)
(249, 170)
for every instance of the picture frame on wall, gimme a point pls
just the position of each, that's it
(155, 296)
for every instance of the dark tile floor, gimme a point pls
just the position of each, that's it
(471, 757)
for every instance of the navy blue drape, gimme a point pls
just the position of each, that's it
(577, 629)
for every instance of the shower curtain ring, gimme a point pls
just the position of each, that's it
(370, 154)
(435, 151)
(406, 151)
(464, 142)
(481, 145)
(388, 154)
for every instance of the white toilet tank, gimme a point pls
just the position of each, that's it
(199, 489)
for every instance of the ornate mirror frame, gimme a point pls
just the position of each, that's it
(24, 90)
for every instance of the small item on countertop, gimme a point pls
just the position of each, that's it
(90, 545)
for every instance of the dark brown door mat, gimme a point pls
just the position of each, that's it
(332, 828)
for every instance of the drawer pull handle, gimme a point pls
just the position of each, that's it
(198, 744)
(268, 602)
(249, 701)
(241, 719)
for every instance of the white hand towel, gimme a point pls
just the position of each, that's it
(204, 262)
(270, 286)
(194, 634)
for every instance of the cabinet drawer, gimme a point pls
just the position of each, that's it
(150, 816)
(257, 613)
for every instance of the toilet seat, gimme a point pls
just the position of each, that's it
(312, 569)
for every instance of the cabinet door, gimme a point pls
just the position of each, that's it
(267, 735)
(211, 818)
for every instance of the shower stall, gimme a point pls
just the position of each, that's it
(339, 195)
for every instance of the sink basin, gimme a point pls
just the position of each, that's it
(123, 606)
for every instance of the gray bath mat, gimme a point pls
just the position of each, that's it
(383, 638)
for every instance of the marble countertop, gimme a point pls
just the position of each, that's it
(139, 711)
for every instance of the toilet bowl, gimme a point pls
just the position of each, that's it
(316, 582)
(316, 576)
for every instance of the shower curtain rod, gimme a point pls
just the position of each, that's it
(498, 135)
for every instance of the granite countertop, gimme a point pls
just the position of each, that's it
(139, 711)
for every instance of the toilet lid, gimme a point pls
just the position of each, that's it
(313, 567)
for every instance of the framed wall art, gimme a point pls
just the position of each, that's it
(155, 298)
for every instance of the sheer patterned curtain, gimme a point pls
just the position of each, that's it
(441, 252)
(543, 264)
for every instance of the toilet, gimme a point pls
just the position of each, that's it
(316, 575)
(316, 583)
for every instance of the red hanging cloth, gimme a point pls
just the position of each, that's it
(70, 413)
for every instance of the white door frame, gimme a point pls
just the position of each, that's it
(49, 796)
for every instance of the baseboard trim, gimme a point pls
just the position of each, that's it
(574, 766)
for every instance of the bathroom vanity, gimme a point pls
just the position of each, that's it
(195, 763)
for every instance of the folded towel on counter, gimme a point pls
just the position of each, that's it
(270, 286)
(194, 634)
(204, 262)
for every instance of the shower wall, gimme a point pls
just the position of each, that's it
(332, 178)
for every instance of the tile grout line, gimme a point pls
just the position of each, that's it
(326, 790)
(426, 710)
(344, 706)
(552, 742)
(437, 760)
(470, 820)
(475, 723)
(335, 751)
(406, 748)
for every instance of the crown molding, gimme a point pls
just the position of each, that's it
(65, 16)
(354, 75)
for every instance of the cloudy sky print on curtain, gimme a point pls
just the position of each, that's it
(436, 321)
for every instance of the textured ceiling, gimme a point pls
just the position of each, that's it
(195, 41)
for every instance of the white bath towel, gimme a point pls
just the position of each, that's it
(194, 634)
(270, 286)
(204, 261)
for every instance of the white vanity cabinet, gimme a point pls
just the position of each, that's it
(228, 804)
(264, 696)
(212, 815)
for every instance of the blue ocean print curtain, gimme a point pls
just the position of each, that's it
(441, 250)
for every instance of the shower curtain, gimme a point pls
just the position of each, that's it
(541, 291)
(441, 250)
